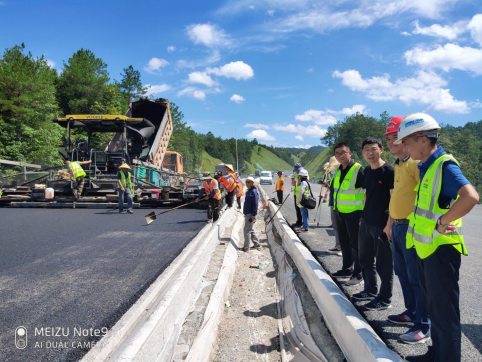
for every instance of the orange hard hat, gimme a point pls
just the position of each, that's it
(393, 125)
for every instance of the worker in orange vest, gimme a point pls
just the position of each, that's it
(211, 193)
(280, 187)
(239, 190)
(229, 183)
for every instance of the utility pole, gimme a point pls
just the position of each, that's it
(236, 138)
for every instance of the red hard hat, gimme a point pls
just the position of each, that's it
(393, 125)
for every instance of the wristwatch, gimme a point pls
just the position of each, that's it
(440, 223)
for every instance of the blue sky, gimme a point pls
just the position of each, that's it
(278, 70)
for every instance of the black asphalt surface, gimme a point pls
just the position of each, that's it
(318, 239)
(65, 273)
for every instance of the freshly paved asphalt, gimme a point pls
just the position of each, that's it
(79, 269)
(318, 239)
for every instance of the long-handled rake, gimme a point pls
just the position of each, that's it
(279, 208)
(153, 216)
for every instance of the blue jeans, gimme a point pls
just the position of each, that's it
(304, 215)
(122, 196)
(406, 268)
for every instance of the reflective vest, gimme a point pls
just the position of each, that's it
(422, 233)
(307, 193)
(228, 182)
(280, 184)
(347, 198)
(296, 188)
(239, 189)
(208, 188)
(77, 168)
(125, 184)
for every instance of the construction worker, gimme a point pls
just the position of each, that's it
(329, 172)
(405, 260)
(373, 243)
(124, 187)
(239, 190)
(348, 195)
(250, 211)
(78, 175)
(304, 189)
(280, 187)
(443, 197)
(229, 183)
(212, 194)
(295, 187)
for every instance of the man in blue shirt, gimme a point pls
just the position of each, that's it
(443, 197)
(250, 211)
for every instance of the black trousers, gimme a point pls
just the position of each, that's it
(439, 279)
(230, 197)
(299, 219)
(348, 226)
(376, 257)
(280, 196)
(213, 209)
(238, 200)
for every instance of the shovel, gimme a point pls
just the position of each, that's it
(153, 216)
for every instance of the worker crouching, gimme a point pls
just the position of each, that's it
(78, 175)
(211, 193)
(124, 188)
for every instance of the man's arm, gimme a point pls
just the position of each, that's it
(388, 228)
(468, 198)
(85, 162)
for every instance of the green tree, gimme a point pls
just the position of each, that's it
(130, 84)
(82, 84)
(27, 107)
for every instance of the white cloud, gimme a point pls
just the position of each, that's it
(307, 131)
(251, 7)
(236, 98)
(256, 125)
(317, 117)
(50, 63)
(476, 104)
(310, 70)
(445, 31)
(357, 108)
(450, 56)
(155, 65)
(171, 49)
(214, 57)
(405, 33)
(209, 35)
(425, 88)
(303, 146)
(192, 92)
(260, 134)
(300, 138)
(270, 12)
(202, 78)
(157, 89)
(237, 70)
(475, 28)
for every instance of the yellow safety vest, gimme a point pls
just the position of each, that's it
(347, 198)
(125, 184)
(77, 168)
(296, 188)
(422, 233)
(280, 184)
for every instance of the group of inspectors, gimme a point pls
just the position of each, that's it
(405, 218)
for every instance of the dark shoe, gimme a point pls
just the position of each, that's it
(334, 251)
(342, 273)
(257, 246)
(130, 211)
(377, 304)
(122, 212)
(402, 318)
(428, 357)
(297, 224)
(354, 280)
(416, 335)
(363, 296)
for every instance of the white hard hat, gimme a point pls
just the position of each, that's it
(417, 123)
(303, 173)
(255, 183)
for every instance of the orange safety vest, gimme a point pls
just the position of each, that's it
(209, 188)
(228, 182)
(239, 189)
(280, 184)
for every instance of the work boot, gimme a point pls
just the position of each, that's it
(130, 211)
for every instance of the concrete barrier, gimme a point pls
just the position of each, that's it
(356, 338)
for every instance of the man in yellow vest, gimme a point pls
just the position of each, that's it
(124, 187)
(78, 175)
(443, 197)
(348, 195)
(296, 188)
(211, 193)
(280, 187)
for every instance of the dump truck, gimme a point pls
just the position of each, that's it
(140, 138)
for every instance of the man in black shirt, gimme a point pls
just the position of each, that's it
(347, 213)
(373, 243)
